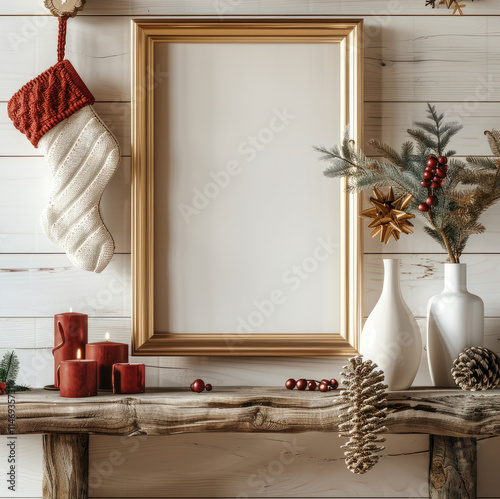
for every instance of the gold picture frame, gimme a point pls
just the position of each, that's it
(148, 32)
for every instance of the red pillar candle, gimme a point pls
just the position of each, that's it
(107, 353)
(129, 378)
(77, 378)
(70, 335)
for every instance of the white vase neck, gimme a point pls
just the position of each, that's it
(455, 277)
(392, 286)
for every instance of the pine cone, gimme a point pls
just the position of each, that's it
(362, 414)
(477, 368)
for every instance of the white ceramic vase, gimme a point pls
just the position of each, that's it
(455, 320)
(391, 337)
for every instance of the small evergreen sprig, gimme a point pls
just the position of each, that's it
(471, 186)
(9, 370)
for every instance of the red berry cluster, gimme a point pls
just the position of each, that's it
(434, 174)
(324, 385)
(3, 388)
(198, 385)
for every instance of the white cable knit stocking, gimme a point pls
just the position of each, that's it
(82, 155)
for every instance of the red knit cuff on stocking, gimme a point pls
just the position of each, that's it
(47, 100)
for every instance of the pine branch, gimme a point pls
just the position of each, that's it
(422, 138)
(20, 388)
(10, 366)
(455, 168)
(493, 141)
(446, 137)
(444, 232)
(436, 236)
(387, 152)
(431, 110)
(430, 128)
(482, 163)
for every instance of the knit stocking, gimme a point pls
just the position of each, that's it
(55, 112)
(83, 156)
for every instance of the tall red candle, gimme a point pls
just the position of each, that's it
(107, 353)
(77, 378)
(70, 335)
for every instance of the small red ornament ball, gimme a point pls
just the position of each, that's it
(208, 387)
(424, 183)
(442, 160)
(435, 185)
(441, 173)
(334, 383)
(198, 386)
(432, 162)
(443, 168)
(3, 388)
(311, 385)
(301, 384)
(423, 207)
(323, 387)
(290, 383)
(430, 200)
(428, 175)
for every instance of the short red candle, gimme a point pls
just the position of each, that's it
(129, 378)
(107, 353)
(77, 378)
(70, 335)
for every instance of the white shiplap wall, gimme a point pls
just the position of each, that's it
(413, 56)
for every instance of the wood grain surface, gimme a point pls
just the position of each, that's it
(260, 409)
(65, 466)
(453, 468)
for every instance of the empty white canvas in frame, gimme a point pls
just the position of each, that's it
(251, 234)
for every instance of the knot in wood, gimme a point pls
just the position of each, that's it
(259, 419)
(439, 474)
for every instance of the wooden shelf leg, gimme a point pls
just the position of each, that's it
(453, 468)
(65, 466)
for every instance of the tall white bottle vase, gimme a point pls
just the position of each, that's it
(391, 337)
(455, 320)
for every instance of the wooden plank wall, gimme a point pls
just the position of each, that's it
(413, 55)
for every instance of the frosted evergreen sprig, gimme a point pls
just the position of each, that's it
(471, 186)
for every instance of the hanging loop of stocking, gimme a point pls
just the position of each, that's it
(61, 39)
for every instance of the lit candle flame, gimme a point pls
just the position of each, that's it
(79, 354)
(107, 336)
(70, 309)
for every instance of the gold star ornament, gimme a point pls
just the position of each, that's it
(389, 215)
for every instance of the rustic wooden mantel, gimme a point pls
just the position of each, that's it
(453, 418)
